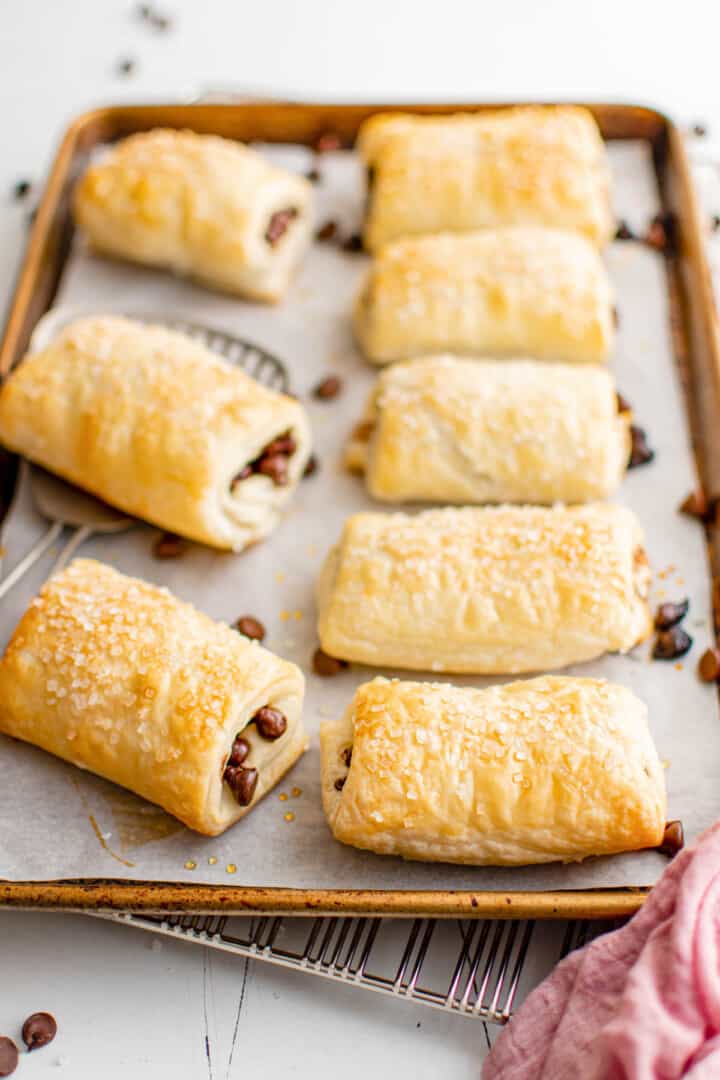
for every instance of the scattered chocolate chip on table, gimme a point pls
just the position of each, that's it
(251, 627)
(8, 1056)
(38, 1030)
(671, 644)
(327, 665)
(669, 614)
(328, 388)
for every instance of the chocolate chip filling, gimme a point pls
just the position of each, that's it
(270, 723)
(346, 758)
(279, 224)
(241, 779)
(242, 782)
(271, 462)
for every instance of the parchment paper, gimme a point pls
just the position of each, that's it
(58, 822)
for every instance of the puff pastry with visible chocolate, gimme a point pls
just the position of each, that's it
(524, 291)
(522, 166)
(493, 590)
(548, 769)
(199, 205)
(118, 677)
(159, 426)
(448, 430)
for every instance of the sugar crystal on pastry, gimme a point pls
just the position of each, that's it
(451, 430)
(494, 590)
(150, 693)
(512, 291)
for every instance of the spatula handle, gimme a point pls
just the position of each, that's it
(31, 558)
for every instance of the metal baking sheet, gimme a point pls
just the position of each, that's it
(60, 823)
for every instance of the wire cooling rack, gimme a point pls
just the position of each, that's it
(473, 968)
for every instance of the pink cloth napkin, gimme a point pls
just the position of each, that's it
(640, 1003)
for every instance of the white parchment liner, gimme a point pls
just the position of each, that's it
(57, 822)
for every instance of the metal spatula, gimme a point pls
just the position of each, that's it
(64, 506)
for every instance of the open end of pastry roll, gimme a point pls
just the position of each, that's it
(159, 426)
(198, 205)
(487, 591)
(513, 291)
(448, 430)
(119, 677)
(531, 772)
(529, 165)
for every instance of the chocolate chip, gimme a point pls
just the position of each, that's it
(278, 224)
(673, 839)
(270, 723)
(329, 388)
(696, 505)
(242, 782)
(246, 471)
(326, 142)
(327, 665)
(671, 644)
(340, 783)
(346, 755)
(640, 453)
(169, 546)
(251, 627)
(623, 405)
(668, 614)
(22, 189)
(314, 176)
(276, 467)
(39, 1030)
(709, 665)
(238, 753)
(126, 67)
(8, 1056)
(312, 466)
(624, 232)
(353, 244)
(284, 444)
(715, 222)
(699, 130)
(154, 18)
(326, 232)
(662, 232)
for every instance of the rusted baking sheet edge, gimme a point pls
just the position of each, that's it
(217, 899)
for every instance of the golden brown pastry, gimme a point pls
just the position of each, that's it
(531, 772)
(533, 292)
(449, 430)
(522, 166)
(119, 677)
(199, 205)
(490, 591)
(159, 426)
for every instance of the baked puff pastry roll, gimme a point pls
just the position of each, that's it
(458, 431)
(119, 677)
(523, 166)
(487, 591)
(160, 427)
(523, 291)
(199, 205)
(531, 772)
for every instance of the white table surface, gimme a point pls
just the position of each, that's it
(126, 1007)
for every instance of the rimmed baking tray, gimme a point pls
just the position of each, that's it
(697, 349)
